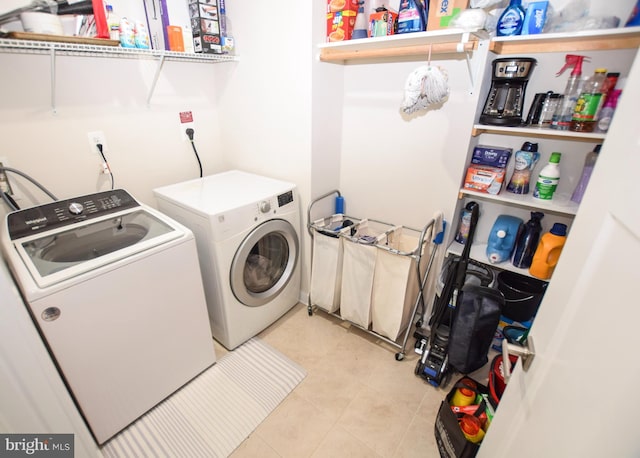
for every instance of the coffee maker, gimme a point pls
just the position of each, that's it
(506, 96)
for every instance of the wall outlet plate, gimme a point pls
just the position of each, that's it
(97, 137)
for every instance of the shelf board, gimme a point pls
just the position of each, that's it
(479, 253)
(91, 50)
(560, 204)
(407, 44)
(538, 132)
(586, 40)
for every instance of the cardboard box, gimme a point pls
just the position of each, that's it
(205, 26)
(483, 178)
(382, 23)
(157, 23)
(442, 11)
(340, 25)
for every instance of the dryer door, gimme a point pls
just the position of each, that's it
(264, 262)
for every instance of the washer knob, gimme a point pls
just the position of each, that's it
(265, 206)
(75, 208)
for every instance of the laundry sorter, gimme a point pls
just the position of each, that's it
(370, 273)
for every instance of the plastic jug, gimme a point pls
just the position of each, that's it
(527, 241)
(546, 256)
(502, 238)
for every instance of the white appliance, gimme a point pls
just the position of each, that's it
(115, 290)
(247, 229)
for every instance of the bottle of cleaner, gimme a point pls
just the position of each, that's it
(411, 16)
(511, 20)
(527, 241)
(502, 238)
(548, 178)
(561, 119)
(548, 252)
(113, 22)
(606, 114)
(525, 161)
(589, 103)
(589, 164)
(360, 27)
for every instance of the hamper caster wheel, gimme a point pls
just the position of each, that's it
(399, 356)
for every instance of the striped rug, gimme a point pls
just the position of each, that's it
(217, 411)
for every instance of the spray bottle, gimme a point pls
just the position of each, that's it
(562, 117)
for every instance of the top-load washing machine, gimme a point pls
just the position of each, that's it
(115, 290)
(247, 229)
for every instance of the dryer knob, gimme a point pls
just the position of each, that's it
(265, 206)
(75, 208)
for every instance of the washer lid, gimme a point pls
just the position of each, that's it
(66, 252)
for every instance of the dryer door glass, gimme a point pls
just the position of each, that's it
(264, 262)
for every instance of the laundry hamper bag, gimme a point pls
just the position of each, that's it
(358, 268)
(326, 266)
(396, 285)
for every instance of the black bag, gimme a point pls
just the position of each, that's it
(450, 439)
(475, 322)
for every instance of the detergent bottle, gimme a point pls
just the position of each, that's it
(525, 160)
(561, 119)
(547, 254)
(502, 238)
(527, 241)
(472, 428)
(548, 178)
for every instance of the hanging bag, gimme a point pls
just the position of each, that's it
(475, 321)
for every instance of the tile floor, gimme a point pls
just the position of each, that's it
(356, 401)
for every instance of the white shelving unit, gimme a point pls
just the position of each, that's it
(54, 49)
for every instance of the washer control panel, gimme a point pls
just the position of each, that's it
(65, 212)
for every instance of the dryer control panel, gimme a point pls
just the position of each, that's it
(284, 199)
(69, 211)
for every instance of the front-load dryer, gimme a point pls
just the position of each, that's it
(114, 288)
(247, 229)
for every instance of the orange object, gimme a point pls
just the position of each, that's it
(483, 178)
(471, 428)
(382, 23)
(176, 40)
(548, 252)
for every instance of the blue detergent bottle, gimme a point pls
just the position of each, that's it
(511, 20)
(502, 238)
(527, 241)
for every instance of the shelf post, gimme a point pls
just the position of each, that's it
(155, 79)
(53, 79)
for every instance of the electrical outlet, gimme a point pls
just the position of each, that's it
(97, 137)
(186, 122)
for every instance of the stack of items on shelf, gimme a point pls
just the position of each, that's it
(348, 19)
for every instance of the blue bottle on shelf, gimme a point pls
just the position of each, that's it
(511, 20)
(527, 241)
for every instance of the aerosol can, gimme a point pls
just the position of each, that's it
(561, 119)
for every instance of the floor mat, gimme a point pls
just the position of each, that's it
(217, 411)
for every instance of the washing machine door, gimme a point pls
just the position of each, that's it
(264, 262)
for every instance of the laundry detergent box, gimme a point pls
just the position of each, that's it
(341, 19)
(205, 26)
(484, 178)
(494, 156)
(382, 23)
(442, 11)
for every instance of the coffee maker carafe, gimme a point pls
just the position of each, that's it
(506, 96)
